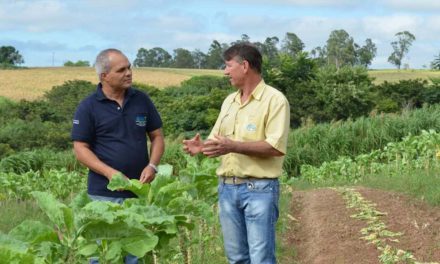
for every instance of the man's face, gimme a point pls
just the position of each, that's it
(235, 70)
(119, 75)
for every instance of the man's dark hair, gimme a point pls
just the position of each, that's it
(244, 51)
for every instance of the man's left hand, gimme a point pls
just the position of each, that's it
(147, 175)
(220, 146)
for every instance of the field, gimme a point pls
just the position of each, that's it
(33, 82)
(396, 75)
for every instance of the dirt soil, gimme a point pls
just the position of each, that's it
(324, 232)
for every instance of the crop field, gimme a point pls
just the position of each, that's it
(396, 75)
(31, 83)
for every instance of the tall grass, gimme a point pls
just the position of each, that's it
(420, 183)
(326, 142)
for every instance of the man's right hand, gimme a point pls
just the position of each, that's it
(193, 146)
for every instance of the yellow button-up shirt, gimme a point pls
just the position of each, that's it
(264, 116)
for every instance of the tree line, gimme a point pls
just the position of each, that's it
(340, 50)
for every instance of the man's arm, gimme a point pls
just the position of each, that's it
(222, 145)
(156, 150)
(85, 155)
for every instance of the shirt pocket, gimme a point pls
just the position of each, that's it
(250, 129)
(140, 125)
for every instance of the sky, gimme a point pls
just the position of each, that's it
(51, 32)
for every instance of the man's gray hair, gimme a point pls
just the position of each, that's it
(102, 63)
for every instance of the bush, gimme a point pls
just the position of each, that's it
(392, 97)
(64, 99)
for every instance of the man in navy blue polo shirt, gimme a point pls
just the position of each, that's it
(110, 129)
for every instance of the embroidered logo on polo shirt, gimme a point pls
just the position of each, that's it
(141, 120)
(251, 127)
(75, 121)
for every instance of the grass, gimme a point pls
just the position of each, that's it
(18, 211)
(419, 183)
(31, 83)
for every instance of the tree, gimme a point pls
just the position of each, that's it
(79, 63)
(435, 64)
(183, 58)
(292, 44)
(366, 53)
(10, 56)
(401, 47)
(199, 59)
(319, 55)
(341, 49)
(214, 58)
(155, 57)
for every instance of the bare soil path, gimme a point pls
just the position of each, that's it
(324, 232)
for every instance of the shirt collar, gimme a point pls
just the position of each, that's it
(100, 96)
(257, 93)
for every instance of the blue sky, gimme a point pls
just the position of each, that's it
(50, 32)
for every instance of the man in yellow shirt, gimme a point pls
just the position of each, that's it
(250, 135)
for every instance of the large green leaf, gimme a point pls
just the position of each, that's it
(165, 170)
(118, 181)
(34, 232)
(140, 245)
(58, 213)
(14, 251)
(89, 249)
(106, 231)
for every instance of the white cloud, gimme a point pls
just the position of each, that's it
(413, 5)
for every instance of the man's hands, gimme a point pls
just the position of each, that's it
(193, 146)
(147, 175)
(217, 147)
(211, 147)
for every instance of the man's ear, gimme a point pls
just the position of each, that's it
(246, 66)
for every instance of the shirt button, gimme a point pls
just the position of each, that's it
(119, 108)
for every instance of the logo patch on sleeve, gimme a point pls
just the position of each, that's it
(75, 121)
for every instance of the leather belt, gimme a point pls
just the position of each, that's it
(236, 180)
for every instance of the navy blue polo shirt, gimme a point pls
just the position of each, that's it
(117, 135)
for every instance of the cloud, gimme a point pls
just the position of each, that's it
(413, 6)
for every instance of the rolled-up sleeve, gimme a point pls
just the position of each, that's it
(278, 124)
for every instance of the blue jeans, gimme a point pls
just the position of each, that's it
(248, 215)
(129, 259)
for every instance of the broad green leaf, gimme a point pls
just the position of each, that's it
(80, 200)
(165, 170)
(99, 211)
(34, 232)
(106, 231)
(57, 212)
(89, 250)
(140, 245)
(14, 251)
(118, 181)
(114, 253)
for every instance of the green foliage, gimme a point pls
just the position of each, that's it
(61, 183)
(412, 152)
(316, 144)
(435, 64)
(10, 56)
(79, 63)
(401, 47)
(64, 99)
(392, 97)
(39, 159)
